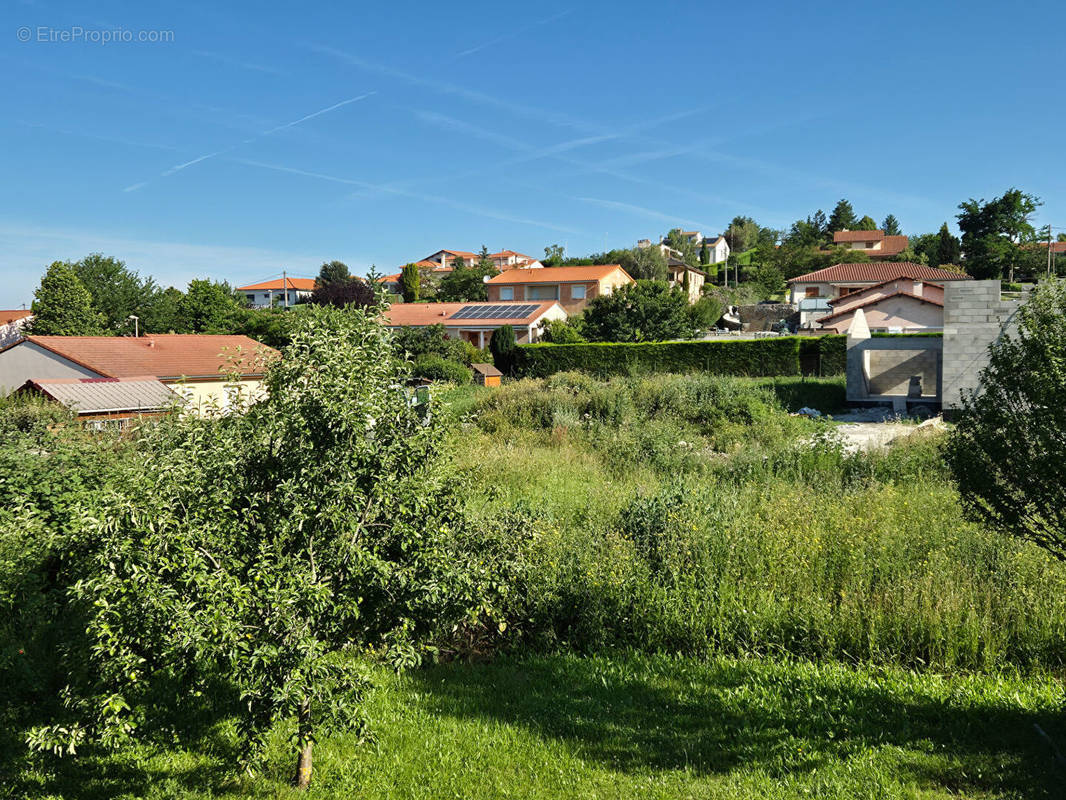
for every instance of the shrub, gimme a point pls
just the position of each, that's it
(645, 311)
(757, 357)
(502, 345)
(435, 368)
(561, 331)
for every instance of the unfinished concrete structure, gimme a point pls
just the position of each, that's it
(904, 371)
(930, 371)
(975, 315)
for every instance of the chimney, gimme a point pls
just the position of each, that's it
(150, 342)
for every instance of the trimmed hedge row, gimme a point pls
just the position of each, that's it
(750, 358)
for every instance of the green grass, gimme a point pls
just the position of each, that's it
(631, 726)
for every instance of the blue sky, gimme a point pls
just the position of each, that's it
(268, 135)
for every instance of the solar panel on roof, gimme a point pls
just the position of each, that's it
(509, 311)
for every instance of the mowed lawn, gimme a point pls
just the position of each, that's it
(631, 726)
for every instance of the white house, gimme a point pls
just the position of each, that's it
(11, 324)
(279, 292)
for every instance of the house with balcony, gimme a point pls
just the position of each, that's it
(819, 295)
(873, 243)
(572, 287)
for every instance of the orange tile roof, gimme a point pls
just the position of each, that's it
(878, 271)
(165, 356)
(858, 236)
(14, 315)
(593, 272)
(301, 284)
(873, 301)
(420, 314)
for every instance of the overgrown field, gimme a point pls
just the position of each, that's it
(693, 515)
(694, 594)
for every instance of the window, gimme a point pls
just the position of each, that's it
(251, 298)
(507, 293)
(542, 292)
(812, 291)
(577, 291)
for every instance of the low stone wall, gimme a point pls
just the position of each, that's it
(764, 316)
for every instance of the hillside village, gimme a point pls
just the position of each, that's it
(753, 469)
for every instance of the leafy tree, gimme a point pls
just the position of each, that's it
(704, 313)
(562, 331)
(410, 283)
(62, 306)
(117, 291)
(162, 312)
(432, 340)
(843, 217)
(678, 241)
(554, 255)
(645, 311)
(342, 293)
(1061, 237)
(642, 263)
(209, 307)
(891, 226)
(466, 284)
(768, 279)
(484, 262)
(332, 272)
(1007, 451)
(742, 234)
(867, 223)
(503, 345)
(811, 232)
(948, 249)
(992, 232)
(259, 553)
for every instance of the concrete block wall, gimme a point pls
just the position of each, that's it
(974, 317)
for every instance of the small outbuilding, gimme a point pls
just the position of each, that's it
(107, 402)
(486, 374)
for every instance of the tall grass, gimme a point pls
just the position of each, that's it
(692, 515)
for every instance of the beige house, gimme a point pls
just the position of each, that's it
(843, 279)
(902, 305)
(571, 287)
(210, 373)
(476, 322)
(676, 273)
(873, 243)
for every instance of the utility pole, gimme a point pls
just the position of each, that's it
(285, 287)
(1049, 250)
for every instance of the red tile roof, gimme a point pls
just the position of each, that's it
(301, 284)
(878, 272)
(858, 236)
(420, 314)
(873, 301)
(891, 246)
(14, 315)
(593, 272)
(165, 356)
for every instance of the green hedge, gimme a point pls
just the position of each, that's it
(832, 355)
(755, 357)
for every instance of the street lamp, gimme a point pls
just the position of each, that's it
(136, 324)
